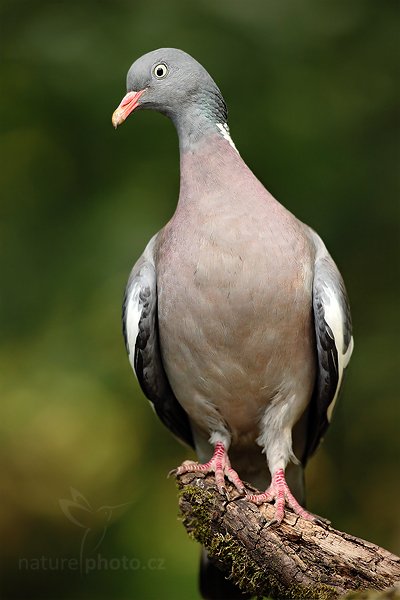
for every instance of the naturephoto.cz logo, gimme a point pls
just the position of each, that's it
(93, 524)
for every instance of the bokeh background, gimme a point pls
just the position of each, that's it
(311, 91)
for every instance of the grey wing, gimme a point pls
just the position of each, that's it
(140, 329)
(334, 342)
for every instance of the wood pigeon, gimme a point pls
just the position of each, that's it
(236, 319)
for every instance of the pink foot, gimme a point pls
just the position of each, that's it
(220, 465)
(280, 492)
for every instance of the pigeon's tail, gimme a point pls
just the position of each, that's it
(214, 585)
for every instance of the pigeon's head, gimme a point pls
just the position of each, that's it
(173, 83)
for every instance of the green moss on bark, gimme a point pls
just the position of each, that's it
(233, 558)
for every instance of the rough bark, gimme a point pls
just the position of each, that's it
(298, 559)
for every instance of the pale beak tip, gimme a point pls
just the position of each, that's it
(116, 119)
(128, 104)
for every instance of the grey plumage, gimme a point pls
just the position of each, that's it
(329, 349)
(236, 318)
(144, 350)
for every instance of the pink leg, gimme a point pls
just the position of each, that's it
(280, 492)
(218, 464)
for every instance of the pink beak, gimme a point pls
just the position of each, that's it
(127, 105)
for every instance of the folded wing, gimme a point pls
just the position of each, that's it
(334, 342)
(140, 328)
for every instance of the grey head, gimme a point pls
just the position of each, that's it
(173, 83)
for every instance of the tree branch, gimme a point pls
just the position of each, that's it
(298, 559)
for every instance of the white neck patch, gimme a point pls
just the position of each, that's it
(224, 130)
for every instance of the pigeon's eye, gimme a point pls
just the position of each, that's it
(160, 71)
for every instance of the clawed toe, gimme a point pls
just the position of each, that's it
(219, 465)
(322, 521)
(272, 523)
(277, 492)
(280, 493)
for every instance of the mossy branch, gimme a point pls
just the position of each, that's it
(299, 559)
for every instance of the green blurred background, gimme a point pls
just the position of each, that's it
(311, 91)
